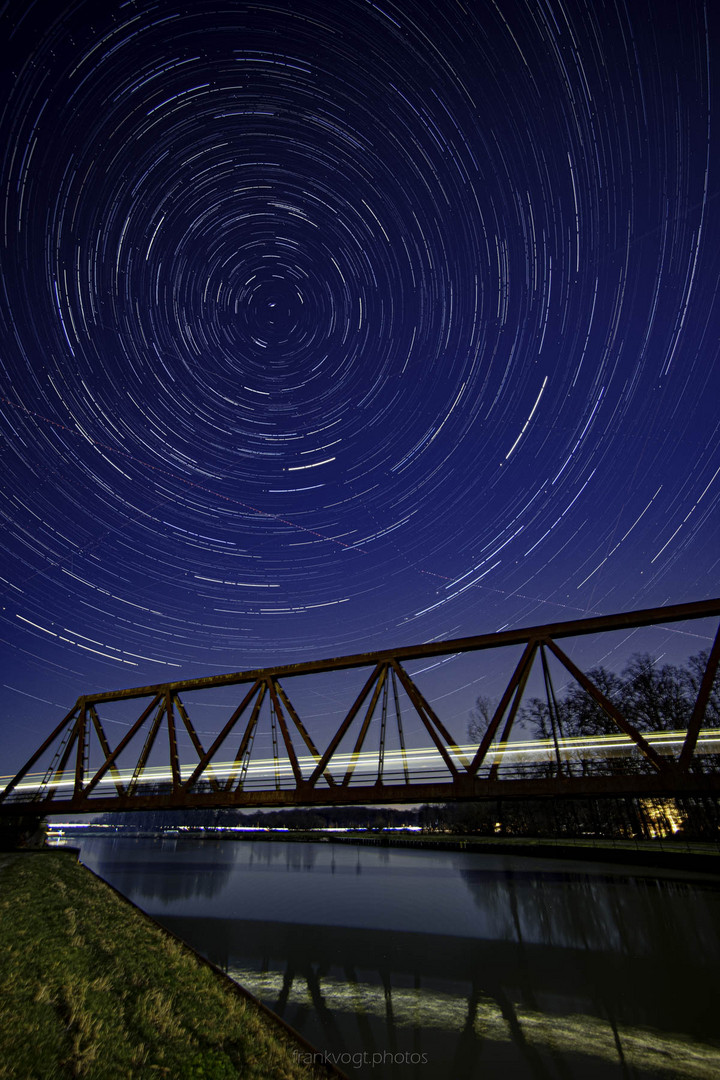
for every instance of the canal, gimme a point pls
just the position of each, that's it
(448, 965)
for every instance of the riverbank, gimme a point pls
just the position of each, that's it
(662, 854)
(91, 987)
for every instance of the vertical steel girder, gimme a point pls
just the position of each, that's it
(81, 739)
(401, 735)
(383, 727)
(76, 729)
(701, 701)
(553, 711)
(172, 740)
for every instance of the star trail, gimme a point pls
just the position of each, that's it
(330, 327)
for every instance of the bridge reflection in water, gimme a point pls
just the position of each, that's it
(485, 965)
(77, 770)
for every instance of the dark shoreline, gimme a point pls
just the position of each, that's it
(643, 853)
(693, 856)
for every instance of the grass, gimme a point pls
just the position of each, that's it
(92, 989)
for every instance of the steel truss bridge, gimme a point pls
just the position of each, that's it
(77, 770)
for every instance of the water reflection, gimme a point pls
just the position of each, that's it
(162, 870)
(627, 913)
(484, 965)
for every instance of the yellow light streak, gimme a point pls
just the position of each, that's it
(416, 758)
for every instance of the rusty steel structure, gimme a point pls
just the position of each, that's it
(300, 774)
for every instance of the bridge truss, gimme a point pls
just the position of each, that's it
(79, 771)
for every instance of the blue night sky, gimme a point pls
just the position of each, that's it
(328, 327)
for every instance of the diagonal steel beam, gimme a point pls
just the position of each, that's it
(294, 764)
(624, 724)
(338, 736)
(365, 725)
(194, 738)
(300, 726)
(519, 691)
(433, 716)
(56, 772)
(246, 743)
(67, 719)
(122, 744)
(209, 754)
(521, 672)
(147, 747)
(105, 746)
(422, 708)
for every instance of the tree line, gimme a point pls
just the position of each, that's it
(652, 696)
(611, 818)
(294, 819)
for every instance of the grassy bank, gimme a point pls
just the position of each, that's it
(92, 989)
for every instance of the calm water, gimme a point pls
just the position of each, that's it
(420, 964)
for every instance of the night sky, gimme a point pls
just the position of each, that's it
(328, 327)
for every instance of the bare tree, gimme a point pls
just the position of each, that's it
(655, 698)
(692, 676)
(579, 714)
(480, 718)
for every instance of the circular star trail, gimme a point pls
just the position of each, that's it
(331, 327)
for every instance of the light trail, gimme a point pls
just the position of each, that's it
(419, 760)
